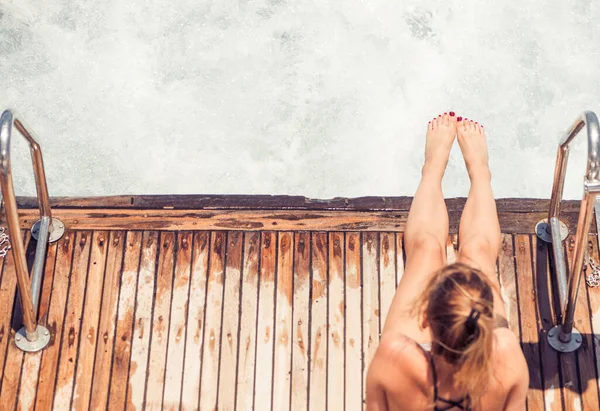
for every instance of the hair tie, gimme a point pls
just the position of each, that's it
(472, 319)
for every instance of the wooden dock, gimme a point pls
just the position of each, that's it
(255, 302)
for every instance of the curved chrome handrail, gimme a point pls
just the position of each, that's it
(29, 290)
(568, 288)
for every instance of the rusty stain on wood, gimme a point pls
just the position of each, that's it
(249, 291)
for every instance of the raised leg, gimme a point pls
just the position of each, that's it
(479, 232)
(426, 231)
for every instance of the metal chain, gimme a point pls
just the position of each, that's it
(4, 238)
(592, 279)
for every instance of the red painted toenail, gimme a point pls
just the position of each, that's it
(466, 119)
(459, 118)
(452, 113)
(445, 113)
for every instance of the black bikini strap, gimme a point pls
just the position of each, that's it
(434, 374)
(451, 404)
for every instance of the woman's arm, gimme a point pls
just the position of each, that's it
(517, 368)
(388, 371)
(518, 394)
(376, 400)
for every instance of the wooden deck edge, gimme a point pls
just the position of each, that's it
(266, 212)
(272, 220)
(280, 202)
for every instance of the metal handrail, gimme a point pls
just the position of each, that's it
(32, 337)
(561, 336)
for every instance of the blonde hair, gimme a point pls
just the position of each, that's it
(458, 306)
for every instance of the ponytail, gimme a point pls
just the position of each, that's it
(458, 306)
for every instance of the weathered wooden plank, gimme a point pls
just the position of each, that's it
(572, 387)
(89, 323)
(245, 220)
(212, 322)
(593, 294)
(32, 361)
(247, 342)
(195, 331)
(545, 306)
(387, 275)
(200, 201)
(140, 344)
(281, 202)
(373, 268)
(529, 321)
(125, 315)
(336, 323)
(399, 258)
(14, 356)
(353, 329)
(280, 220)
(300, 330)
(159, 338)
(231, 313)
(107, 324)
(283, 322)
(588, 378)
(8, 289)
(177, 325)
(318, 318)
(451, 251)
(264, 330)
(56, 316)
(508, 285)
(72, 324)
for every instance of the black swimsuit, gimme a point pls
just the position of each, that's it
(463, 404)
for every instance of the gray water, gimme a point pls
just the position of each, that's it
(314, 98)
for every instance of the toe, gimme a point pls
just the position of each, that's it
(430, 126)
(434, 123)
(451, 118)
(445, 119)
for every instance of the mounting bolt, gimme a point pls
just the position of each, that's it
(551, 333)
(46, 332)
(18, 338)
(578, 339)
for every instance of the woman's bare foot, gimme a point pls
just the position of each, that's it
(472, 141)
(441, 132)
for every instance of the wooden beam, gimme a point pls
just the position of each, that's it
(279, 202)
(274, 220)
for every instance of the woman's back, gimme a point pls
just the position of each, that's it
(402, 377)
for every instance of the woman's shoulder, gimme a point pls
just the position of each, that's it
(398, 346)
(401, 353)
(508, 356)
(506, 342)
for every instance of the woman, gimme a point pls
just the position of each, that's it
(445, 345)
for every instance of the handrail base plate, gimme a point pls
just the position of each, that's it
(542, 230)
(24, 344)
(57, 230)
(558, 345)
